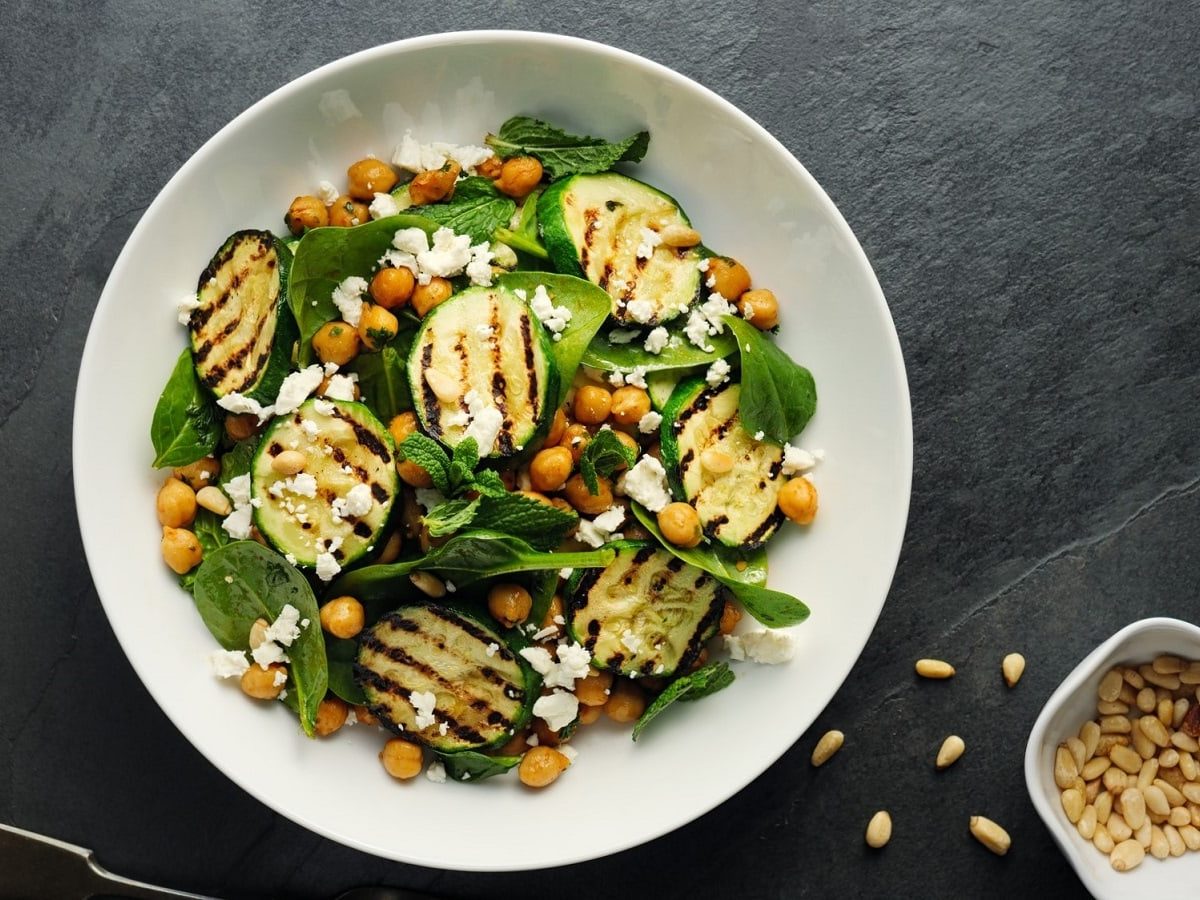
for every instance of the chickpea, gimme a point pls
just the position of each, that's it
(538, 496)
(180, 549)
(557, 427)
(594, 690)
(336, 342)
(241, 427)
(392, 287)
(655, 450)
(680, 524)
(199, 474)
(576, 438)
(176, 503)
(332, 713)
(264, 684)
(376, 327)
(515, 745)
(798, 500)
(628, 443)
(730, 278)
(346, 212)
(759, 308)
(629, 404)
(560, 503)
(369, 177)
(578, 495)
(364, 716)
(626, 703)
(509, 604)
(434, 185)
(391, 549)
(402, 759)
(490, 168)
(426, 296)
(550, 468)
(730, 616)
(592, 404)
(519, 176)
(410, 473)
(306, 212)
(553, 611)
(589, 715)
(541, 766)
(343, 617)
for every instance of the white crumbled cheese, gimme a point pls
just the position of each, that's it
(486, 421)
(280, 678)
(479, 268)
(449, 255)
(357, 502)
(574, 663)
(327, 566)
(601, 529)
(302, 484)
(341, 387)
(428, 498)
(564, 574)
(451, 587)
(408, 153)
(650, 422)
(290, 557)
(237, 523)
(710, 282)
(382, 206)
(491, 649)
(310, 427)
(187, 305)
(238, 405)
(413, 156)
(555, 318)
(764, 646)
(325, 408)
(631, 641)
(484, 331)
(532, 740)
(327, 192)
(436, 772)
(423, 703)
(569, 752)
(348, 298)
(718, 373)
(228, 663)
(411, 240)
(702, 265)
(636, 378)
(286, 627)
(539, 658)
(622, 335)
(796, 460)
(558, 710)
(715, 307)
(656, 340)
(696, 330)
(649, 240)
(282, 696)
(548, 631)
(296, 389)
(268, 652)
(759, 435)
(443, 727)
(646, 483)
(641, 311)
(351, 718)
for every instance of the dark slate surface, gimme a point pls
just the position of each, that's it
(1024, 176)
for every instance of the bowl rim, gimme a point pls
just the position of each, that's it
(1037, 773)
(887, 556)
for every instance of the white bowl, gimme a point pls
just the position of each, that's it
(1065, 712)
(748, 196)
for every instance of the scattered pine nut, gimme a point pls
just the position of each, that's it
(1013, 667)
(990, 835)
(214, 500)
(879, 829)
(1126, 855)
(952, 748)
(430, 585)
(289, 462)
(829, 744)
(934, 668)
(258, 633)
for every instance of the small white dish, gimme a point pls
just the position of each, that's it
(1064, 713)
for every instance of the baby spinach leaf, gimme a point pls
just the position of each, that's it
(773, 608)
(185, 427)
(680, 353)
(542, 586)
(326, 256)
(244, 581)
(476, 209)
(450, 516)
(210, 534)
(589, 307)
(238, 460)
(561, 153)
(709, 679)
(470, 765)
(542, 526)
(604, 454)
(778, 396)
(525, 236)
(429, 455)
(341, 653)
(382, 379)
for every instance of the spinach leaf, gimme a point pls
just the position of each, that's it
(589, 307)
(185, 427)
(382, 378)
(244, 581)
(238, 460)
(604, 454)
(326, 256)
(709, 679)
(680, 353)
(773, 608)
(450, 516)
(525, 236)
(208, 530)
(470, 765)
(465, 559)
(429, 455)
(542, 526)
(561, 153)
(542, 586)
(341, 653)
(476, 209)
(778, 396)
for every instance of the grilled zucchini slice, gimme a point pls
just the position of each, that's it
(494, 355)
(592, 224)
(483, 692)
(737, 508)
(647, 613)
(242, 332)
(340, 503)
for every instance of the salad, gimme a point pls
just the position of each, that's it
(488, 446)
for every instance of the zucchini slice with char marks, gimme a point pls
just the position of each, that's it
(593, 224)
(490, 360)
(339, 504)
(242, 332)
(648, 613)
(738, 507)
(481, 691)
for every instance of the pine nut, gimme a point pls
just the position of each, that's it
(1156, 800)
(1155, 730)
(1078, 753)
(1110, 685)
(430, 585)
(1108, 741)
(1118, 828)
(1126, 855)
(289, 462)
(1169, 758)
(829, 744)
(1191, 836)
(1185, 742)
(1187, 765)
(676, 235)
(1179, 816)
(1112, 708)
(1115, 725)
(1103, 806)
(1142, 835)
(1168, 665)
(1103, 841)
(214, 500)
(1159, 848)
(1013, 667)
(1092, 790)
(1114, 781)
(1125, 759)
(1166, 711)
(1146, 701)
(1191, 792)
(1170, 682)
(1065, 770)
(258, 633)
(1145, 747)
(1127, 695)
(1147, 773)
(444, 387)
(1181, 710)
(990, 835)
(1090, 735)
(879, 829)
(1095, 767)
(1132, 678)
(1174, 840)
(716, 461)
(1133, 808)
(1174, 796)
(953, 747)
(1173, 777)
(1087, 823)
(1072, 804)
(1190, 675)
(934, 668)
(1194, 809)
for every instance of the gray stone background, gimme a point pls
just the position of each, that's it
(1023, 176)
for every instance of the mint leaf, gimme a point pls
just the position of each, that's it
(561, 153)
(476, 209)
(778, 396)
(604, 454)
(709, 679)
(489, 483)
(462, 464)
(450, 516)
(185, 427)
(429, 455)
(542, 526)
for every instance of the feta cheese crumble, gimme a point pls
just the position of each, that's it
(657, 340)
(764, 646)
(569, 752)
(491, 649)
(603, 528)
(238, 405)
(357, 502)
(646, 483)
(413, 156)
(187, 305)
(286, 627)
(327, 192)
(622, 335)
(486, 421)
(237, 523)
(759, 435)
(327, 566)
(635, 378)
(558, 709)
(423, 703)
(436, 772)
(296, 388)
(718, 373)
(650, 240)
(631, 641)
(348, 298)
(228, 663)
(796, 460)
(641, 311)
(650, 422)
(448, 255)
(555, 318)
(341, 387)
(382, 206)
